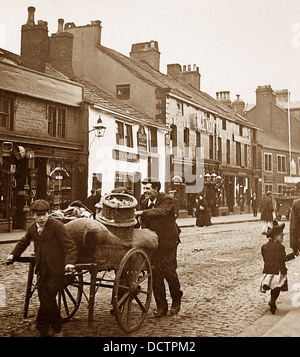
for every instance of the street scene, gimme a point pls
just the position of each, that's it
(220, 268)
(149, 168)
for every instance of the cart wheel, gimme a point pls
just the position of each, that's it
(68, 299)
(132, 290)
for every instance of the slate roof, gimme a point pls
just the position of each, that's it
(160, 80)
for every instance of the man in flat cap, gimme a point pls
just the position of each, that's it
(157, 213)
(55, 254)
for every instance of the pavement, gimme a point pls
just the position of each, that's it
(284, 323)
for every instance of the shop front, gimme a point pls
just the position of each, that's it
(29, 172)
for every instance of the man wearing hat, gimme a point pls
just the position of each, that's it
(157, 212)
(55, 254)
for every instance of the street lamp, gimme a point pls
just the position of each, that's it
(99, 128)
(213, 177)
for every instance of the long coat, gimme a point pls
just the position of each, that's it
(295, 225)
(267, 209)
(275, 257)
(202, 213)
(161, 219)
(54, 246)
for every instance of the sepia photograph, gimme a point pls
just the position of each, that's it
(149, 171)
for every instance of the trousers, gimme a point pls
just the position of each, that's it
(49, 283)
(165, 265)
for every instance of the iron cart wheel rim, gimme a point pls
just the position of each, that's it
(132, 290)
(69, 298)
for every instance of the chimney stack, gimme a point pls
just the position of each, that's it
(238, 105)
(189, 76)
(224, 98)
(34, 43)
(61, 50)
(146, 52)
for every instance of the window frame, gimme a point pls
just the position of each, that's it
(56, 120)
(270, 162)
(9, 114)
(123, 91)
(280, 165)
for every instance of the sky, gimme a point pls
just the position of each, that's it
(238, 45)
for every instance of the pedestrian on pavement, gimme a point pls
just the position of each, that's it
(55, 255)
(90, 202)
(202, 211)
(267, 212)
(157, 214)
(295, 227)
(172, 193)
(254, 204)
(274, 271)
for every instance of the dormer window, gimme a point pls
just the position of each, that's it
(123, 91)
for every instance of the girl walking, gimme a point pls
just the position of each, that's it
(274, 271)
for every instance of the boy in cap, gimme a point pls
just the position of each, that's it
(55, 254)
(275, 271)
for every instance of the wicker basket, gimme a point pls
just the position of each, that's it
(115, 210)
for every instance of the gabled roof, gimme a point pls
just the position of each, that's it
(150, 75)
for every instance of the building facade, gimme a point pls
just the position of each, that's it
(41, 144)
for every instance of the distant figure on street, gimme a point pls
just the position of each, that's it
(254, 204)
(202, 212)
(267, 212)
(274, 271)
(176, 201)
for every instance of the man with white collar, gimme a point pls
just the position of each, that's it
(55, 253)
(157, 213)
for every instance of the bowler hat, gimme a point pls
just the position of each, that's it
(277, 229)
(39, 206)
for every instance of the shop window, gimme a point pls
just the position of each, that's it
(124, 179)
(281, 188)
(56, 121)
(123, 91)
(281, 163)
(268, 162)
(6, 113)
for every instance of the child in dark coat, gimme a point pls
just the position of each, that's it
(275, 271)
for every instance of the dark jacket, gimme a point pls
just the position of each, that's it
(161, 219)
(295, 225)
(275, 257)
(54, 246)
(267, 209)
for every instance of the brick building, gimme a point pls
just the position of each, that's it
(278, 138)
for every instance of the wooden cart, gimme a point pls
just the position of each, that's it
(131, 286)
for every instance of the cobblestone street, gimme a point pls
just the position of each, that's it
(219, 269)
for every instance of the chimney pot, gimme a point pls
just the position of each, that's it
(60, 25)
(30, 19)
(184, 68)
(189, 68)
